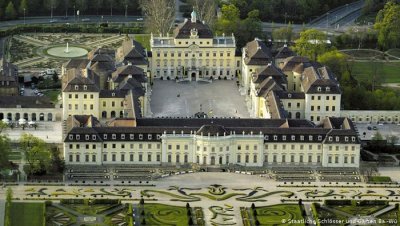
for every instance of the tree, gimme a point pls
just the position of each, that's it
(9, 196)
(283, 33)
(250, 28)
(392, 139)
(160, 15)
(57, 164)
(37, 154)
(229, 21)
(206, 10)
(10, 12)
(335, 60)
(5, 149)
(311, 43)
(23, 7)
(388, 25)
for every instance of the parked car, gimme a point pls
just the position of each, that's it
(375, 128)
(53, 21)
(85, 19)
(369, 128)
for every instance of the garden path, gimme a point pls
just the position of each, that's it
(2, 211)
(73, 212)
(310, 217)
(384, 210)
(336, 211)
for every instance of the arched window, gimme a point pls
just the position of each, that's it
(41, 117)
(290, 115)
(49, 117)
(298, 115)
(17, 116)
(33, 116)
(104, 114)
(113, 114)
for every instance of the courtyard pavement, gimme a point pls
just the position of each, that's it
(50, 132)
(221, 98)
(384, 129)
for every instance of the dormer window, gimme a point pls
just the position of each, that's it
(123, 136)
(71, 137)
(85, 87)
(140, 136)
(353, 139)
(293, 137)
(289, 95)
(319, 89)
(302, 138)
(328, 89)
(93, 137)
(320, 138)
(114, 136)
(275, 137)
(78, 137)
(284, 137)
(310, 138)
(132, 136)
(337, 139)
(330, 138)
(76, 87)
(266, 137)
(158, 137)
(105, 136)
(87, 137)
(346, 139)
(113, 94)
(149, 137)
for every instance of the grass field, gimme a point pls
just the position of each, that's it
(27, 214)
(159, 214)
(389, 70)
(144, 40)
(275, 214)
(52, 94)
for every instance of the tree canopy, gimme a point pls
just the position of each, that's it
(388, 25)
(37, 154)
(311, 44)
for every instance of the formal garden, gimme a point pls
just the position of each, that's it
(49, 50)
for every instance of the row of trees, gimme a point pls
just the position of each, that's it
(11, 9)
(41, 157)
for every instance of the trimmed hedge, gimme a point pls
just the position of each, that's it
(337, 202)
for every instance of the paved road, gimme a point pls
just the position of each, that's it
(70, 20)
(330, 18)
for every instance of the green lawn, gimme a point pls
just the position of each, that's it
(379, 179)
(359, 210)
(27, 214)
(275, 214)
(52, 94)
(363, 71)
(160, 214)
(144, 40)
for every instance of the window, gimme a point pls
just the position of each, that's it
(247, 147)
(169, 158)
(114, 146)
(122, 146)
(78, 158)
(301, 159)
(178, 147)
(105, 136)
(318, 159)
(255, 158)
(302, 138)
(275, 137)
(292, 158)
(312, 97)
(140, 146)
(345, 159)
(283, 137)
(114, 136)
(310, 158)
(327, 97)
(71, 158)
(105, 157)
(158, 157)
(238, 158)
(148, 146)
(131, 136)
(185, 158)
(70, 96)
(149, 157)
(283, 158)
(78, 137)
(113, 157)
(330, 159)
(91, 96)
(140, 157)
(312, 108)
(293, 137)
(333, 108)
(239, 147)
(289, 105)
(327, 108)
(319, 97)
(352, 159)
(274, 159)
(346, 139)
(319, 138)
(334, 98)
(131, 157)
(177, 157)
(149, 136)
(76, 96)
(76, 87)
(353, 139)
(255, 148)
(85, 96)
(336, 159)
(140, 136)
(93, 137)
(247, 158)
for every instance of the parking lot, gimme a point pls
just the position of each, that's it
(217, 99)
(384, 129)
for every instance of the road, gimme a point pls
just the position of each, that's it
(338, 19)
(70, 20)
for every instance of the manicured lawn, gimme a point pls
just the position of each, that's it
(379, 179)
(363, 71)
(88, 209)
(160, 214)
(144, 40)
(273, 215)
(27, 214)
(52, 94)
(359, 210)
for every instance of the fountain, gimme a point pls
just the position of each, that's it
(67, 52)
(67, 49)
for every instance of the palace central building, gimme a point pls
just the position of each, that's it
(194, 54)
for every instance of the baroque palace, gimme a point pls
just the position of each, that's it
(294, 104)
